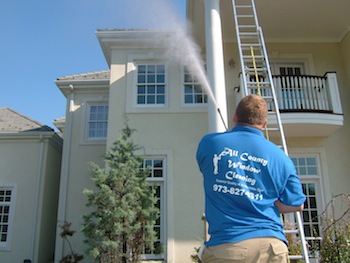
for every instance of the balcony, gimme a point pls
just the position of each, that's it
(309, 105)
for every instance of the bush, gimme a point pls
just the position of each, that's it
(335, 246)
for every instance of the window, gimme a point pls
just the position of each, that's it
(151, 88)
(5, 209)
(308, 170)
(97, 121)
(156, 179)
(291, 86)
(193, 91)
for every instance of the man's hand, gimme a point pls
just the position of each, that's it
(287, 208)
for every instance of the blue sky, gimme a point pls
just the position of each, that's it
(42, 40)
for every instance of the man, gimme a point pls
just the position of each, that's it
(248, 182)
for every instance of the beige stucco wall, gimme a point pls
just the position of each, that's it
(32, 166)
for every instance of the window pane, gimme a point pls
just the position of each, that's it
(141, 79)
(160, 99)
(160, 89)
(141, 69)
(151, 90)
(141, 89)
(188, 99)
(160, 69)
(151, 69)
(151, 79)
(160, 78)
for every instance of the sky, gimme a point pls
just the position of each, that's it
(42, 40)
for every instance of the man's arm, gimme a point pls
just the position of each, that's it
(287, 208)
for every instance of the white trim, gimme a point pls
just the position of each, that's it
(133, 68)
(201, 106)
(169, 250)
(323, 169)
(293, 58)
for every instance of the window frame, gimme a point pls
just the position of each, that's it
(159, 181)
(7, 244)
(319, 181)
(86, 121)
(136, 65)
(203, 94)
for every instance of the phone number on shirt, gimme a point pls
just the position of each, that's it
(236, 191)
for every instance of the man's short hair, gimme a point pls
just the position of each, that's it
(251, 110)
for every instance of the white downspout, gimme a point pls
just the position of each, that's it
(62, 203)
(217, 112)
(38, 196)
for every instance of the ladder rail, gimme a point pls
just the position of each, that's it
(244, 81)
(277, 110)
(257, 41)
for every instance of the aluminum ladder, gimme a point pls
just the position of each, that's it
(257, 79)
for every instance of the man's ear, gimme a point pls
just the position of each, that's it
(235, 118)
(264, 124)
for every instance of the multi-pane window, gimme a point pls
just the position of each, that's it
(307, 168)
(97, 121)
(5, 206)
(156, 179)
(151, 86)
(193, 90)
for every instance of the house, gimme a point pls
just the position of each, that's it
(29, 182)
(171, 110)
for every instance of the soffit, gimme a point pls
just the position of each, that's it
(283, 21)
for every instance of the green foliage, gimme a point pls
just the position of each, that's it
(335, 246)
(123, 212)
(194, 257)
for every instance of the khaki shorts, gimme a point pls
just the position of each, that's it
(256, 250)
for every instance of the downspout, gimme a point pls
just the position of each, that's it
(38, 191)
(62, 203)
(215, 67)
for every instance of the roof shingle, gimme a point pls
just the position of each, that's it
(12, 121)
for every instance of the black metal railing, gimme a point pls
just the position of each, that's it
(299, 93)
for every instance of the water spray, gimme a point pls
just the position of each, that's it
(189, 54)
(182, 48)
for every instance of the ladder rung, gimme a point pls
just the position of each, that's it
(262, 83)
(248, 70)
(249, 16)
(296, 257)
(244, 6)
(271, 129)
(247, 26)
(250, 57)
(251, 45)
(291, 231)
(248, 33)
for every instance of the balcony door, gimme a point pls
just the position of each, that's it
(291, 92)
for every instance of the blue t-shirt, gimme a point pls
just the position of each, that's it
(244, 174)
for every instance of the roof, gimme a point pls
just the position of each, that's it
(12, 121)
(104, 74)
